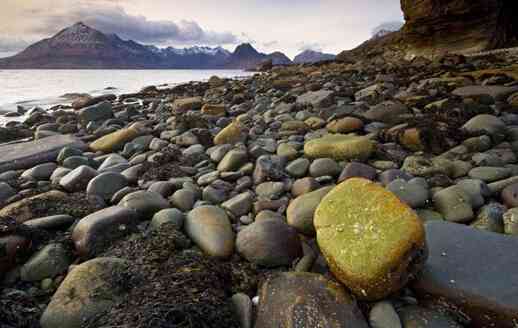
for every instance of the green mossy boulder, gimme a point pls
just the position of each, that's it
(374, 244)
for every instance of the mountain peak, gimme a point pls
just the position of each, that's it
(245, 49)
(312, 56)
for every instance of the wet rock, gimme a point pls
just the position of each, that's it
(454, 204)
(302, 209)
(40, 172)
(490, 174)
(106, 185)
(233, 160)
(318, 99)
(304, 186)
(414, 193)
(51, 222)
(50, 261)
(29, 154)
(232, 134)
(449, 277)
(270, 243)
(186, 104)
(306, 300)
(298, 168)
(490, 218)
(345, 125)
(23, 210)
(359, 219)
(99, 112)
(510, 220)
(114, 141)
(95, 232)
(239, 205)
(324, 167)
(485, 124)
(12, 249)
(88, 290)
(340, 147)
(78, 179)
(209, 227)
(168, 217)
(146, 203)
(413, 316)
(183, 199)
(6, 192)
(510, 196)
(243, 308)
(383, 315)
(357, 170)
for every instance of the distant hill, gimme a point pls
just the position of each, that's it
(82, 47)
(310, 56)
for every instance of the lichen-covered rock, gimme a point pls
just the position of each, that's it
(88, 289)
(233, 133)
(372, 241)
(340, 147)
(114, 141)
(187, 104)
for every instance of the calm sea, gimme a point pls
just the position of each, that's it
(45, 87)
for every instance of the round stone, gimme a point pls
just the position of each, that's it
(106, 185)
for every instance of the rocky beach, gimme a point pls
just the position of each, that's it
(379, 193)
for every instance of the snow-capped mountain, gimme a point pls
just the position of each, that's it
(80, 46)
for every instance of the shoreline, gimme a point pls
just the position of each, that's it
(376, 187)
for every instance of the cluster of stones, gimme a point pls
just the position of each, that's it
(316, 173)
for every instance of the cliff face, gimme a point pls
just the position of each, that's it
(463, 26)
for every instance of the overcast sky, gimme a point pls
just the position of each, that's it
(285, 25)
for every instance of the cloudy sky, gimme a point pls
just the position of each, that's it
(286, 25)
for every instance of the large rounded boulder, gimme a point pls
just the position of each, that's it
(373, 242)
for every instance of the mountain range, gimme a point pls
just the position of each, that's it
(311, 56)
(82, 47)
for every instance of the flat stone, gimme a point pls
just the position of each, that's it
(88, 290)
(270, 243)
(187, 104)
(374, 244)
(306, 300)
(490, 174)
(99, 112)
(498, 92)
(321, 98)
(461, 263)
(95, 232)
(25, 155)
(209, 227)
(340, 147)
(51, 222)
